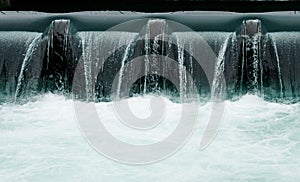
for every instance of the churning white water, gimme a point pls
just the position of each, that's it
(258, 141)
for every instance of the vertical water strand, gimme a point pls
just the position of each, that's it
(233, 52)
(255, 56)
(164, 53)
(243, 58)
(62, 79)
(233, 44)
(31, 48)
(66, 36)
(49, 43)
(87, 45)
(293, 68)
(155, 61)
(164, 39)
(273, 41)
(261, 68)
(264, 55)
(82, 35)
(168, 51)
(126, 55)
(98, 59)
(180, 57)
(153, 31)
(217, 85)
(147, 52)
(191, 54)
(158, 29)
(260, 62)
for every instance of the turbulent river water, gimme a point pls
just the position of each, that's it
(257, 141)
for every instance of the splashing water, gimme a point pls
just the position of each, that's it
(258, 141)
(39, 140)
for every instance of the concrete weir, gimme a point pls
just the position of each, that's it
(255, 53)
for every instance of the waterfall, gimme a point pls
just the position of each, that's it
(87, 46)
(49, 44)
(66, 35)
(167, 50)
(251, 59)
(183, 44)
(31, 48)
(255, 56)
(191, 69)
(244, 55)
(273, 42)
(97, 44)
(233, 68)
(154, 32)
(182, 76)
(147, 52)
(257, 61)
(153, 78)
(248, 64)
(217, 85)
(125, 57)
(13, 48)
(207, 45)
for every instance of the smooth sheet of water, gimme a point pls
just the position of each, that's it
(258, 141)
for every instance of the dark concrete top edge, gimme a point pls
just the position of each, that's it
(103, 20)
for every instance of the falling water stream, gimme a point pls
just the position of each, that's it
(278, 64)
(94, 49)
(182, 76)
(258, 140)
(30, 50)
(125, 57)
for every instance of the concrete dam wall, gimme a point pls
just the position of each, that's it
(97, 55)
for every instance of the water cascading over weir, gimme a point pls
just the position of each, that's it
(120, 54)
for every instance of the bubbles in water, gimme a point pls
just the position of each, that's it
(259, 140)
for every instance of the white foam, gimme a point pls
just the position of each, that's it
(258, 140)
